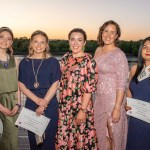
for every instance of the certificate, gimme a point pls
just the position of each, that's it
(139, 109)
(29, 120)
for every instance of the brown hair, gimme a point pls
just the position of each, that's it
(39, 32)
(101, 29)
(78, 30)
(2, 29)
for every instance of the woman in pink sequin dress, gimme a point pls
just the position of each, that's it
(110, 116)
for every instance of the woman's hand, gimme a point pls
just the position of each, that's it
(6, 111)
(127, 107)
(81, 117)
(42, 102)
(115, 115)
(40, 110)
(15, 110)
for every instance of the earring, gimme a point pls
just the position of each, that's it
(83, 48)
(70, 48)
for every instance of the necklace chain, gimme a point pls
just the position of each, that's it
(36, 84)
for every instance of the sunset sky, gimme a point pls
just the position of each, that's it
(58, 17)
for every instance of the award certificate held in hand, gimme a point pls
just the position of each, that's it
(29, 120)
(139, 109)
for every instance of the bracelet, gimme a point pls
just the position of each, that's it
(18, 105)
(84, 110)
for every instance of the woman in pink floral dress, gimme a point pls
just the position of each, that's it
(76, 115)
(110, 117)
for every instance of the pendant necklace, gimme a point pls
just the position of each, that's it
(5, 63)
(36, 83)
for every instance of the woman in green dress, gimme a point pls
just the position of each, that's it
(9, 95)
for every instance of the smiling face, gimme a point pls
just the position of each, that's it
(39, 44)
(77, 42)
(146, 51)
(5, 40)
(109, 35)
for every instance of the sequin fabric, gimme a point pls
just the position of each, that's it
(113, 74)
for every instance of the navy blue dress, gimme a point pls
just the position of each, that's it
(49, 72)
(139, 131)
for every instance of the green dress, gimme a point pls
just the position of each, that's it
(8, 97)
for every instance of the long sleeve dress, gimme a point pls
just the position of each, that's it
(113, 74)
(79, 76)
(49, 73)
(8, 98)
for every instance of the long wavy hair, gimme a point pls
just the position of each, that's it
(2, 29)
(47, 50)
(140, 63)
(101, 29)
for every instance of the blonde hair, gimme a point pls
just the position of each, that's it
(2, 29)
(46, 53)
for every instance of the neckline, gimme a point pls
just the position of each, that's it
(106, 53)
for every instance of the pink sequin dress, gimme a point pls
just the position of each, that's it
(113, 74)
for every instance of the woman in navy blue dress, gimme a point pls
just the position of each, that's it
(39, 76)
(139, 88)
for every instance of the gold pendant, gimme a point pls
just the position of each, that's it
(36, 84)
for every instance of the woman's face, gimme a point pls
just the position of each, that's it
(109, 35)
(146, 51)
(39, 44)
(5, 40)
(77, 43)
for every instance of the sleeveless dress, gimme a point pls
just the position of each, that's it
(113, 74)
(139, 131)
(8, 98)
(79, 76)
(49, 73)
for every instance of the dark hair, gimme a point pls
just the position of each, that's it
(39, 32)
(2, 29)
(78, 30)
(140, 62)
(101, 29)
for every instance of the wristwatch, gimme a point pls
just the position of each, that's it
(18, 105)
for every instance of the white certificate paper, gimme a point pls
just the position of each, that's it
(140, 109)
(29, 120)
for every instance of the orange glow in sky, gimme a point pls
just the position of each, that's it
(58, 17)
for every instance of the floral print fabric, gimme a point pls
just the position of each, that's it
(79, 76)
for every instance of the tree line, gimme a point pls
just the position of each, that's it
(59, 47)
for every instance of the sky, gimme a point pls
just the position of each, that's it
(58, 17)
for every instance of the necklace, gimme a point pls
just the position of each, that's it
(5, 63)
(36, 83)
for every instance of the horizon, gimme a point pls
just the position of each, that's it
(58, 17)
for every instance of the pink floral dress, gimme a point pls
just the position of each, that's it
(79, 76)
(113, 74)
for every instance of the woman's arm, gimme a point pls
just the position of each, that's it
(132, 72)
(49, 95)
(122, 70)
(81, 116)
(5, 110)
(18, 104)
(39, 101)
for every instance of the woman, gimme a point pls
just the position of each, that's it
(110, 117)
(78, 82)
(139, 88)
(39, 76)
(9, 95)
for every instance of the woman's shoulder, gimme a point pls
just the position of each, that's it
(89, 58)
(118, 51)
(52, 58)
